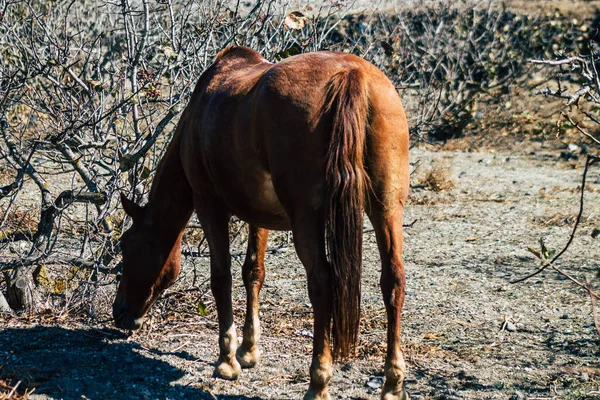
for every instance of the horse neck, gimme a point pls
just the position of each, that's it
(170, 203)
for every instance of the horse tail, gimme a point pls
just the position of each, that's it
(346, 102)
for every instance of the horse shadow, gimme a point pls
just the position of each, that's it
(79, 364)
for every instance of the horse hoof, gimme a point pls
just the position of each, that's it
(248, 358)
(228, 370)
(394, 394)
(321, 395)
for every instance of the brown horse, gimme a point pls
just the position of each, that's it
(304, 144)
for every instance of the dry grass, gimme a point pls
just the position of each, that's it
(438, 178)
(20, 219)
(13, 391)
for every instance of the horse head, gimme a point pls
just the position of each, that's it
(151, 264)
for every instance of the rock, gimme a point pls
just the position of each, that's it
(304, 332)
(584, 376)
(565, 316)
(375, 382)
(510, 327)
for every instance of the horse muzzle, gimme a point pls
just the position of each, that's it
(124, 318)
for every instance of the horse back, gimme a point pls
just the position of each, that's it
(257, 134)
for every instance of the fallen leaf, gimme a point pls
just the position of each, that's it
(295, 20)
(433, 336)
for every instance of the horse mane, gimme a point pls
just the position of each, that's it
(239, 51)
(225, 51)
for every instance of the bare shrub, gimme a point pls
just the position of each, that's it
(578, 83)
(89, 95)
(444, 60)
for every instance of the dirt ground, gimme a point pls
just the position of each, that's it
(467, 243)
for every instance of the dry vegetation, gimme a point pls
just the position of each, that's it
(437, 178)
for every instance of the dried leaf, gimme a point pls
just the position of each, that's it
(534, 252)
(546, 252)
(295, 20)
(433, 336)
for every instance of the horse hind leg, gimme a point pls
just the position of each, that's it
(215, 222)
(309, 240)
(253, 273)
(388, 230)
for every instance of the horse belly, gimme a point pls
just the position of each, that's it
(255, 201)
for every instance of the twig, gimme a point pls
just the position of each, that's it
(589, 135)
(589, 161)
(569, 60)
(593, 298)
(14, 389)
(128, 161)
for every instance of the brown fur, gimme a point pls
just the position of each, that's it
(303, 144)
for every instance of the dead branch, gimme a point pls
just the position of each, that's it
(591, 159)
(580, 129)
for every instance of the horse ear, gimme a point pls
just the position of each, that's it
(131, 209)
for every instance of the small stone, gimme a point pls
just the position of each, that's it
(565, 316)
(375, 382)
(510, 327)
(304, 332)
(585, 377)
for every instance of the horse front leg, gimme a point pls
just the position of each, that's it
(215, 222)
(388, 231)
(253, 273)
(309, 239)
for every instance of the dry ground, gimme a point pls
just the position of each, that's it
(465, 246)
